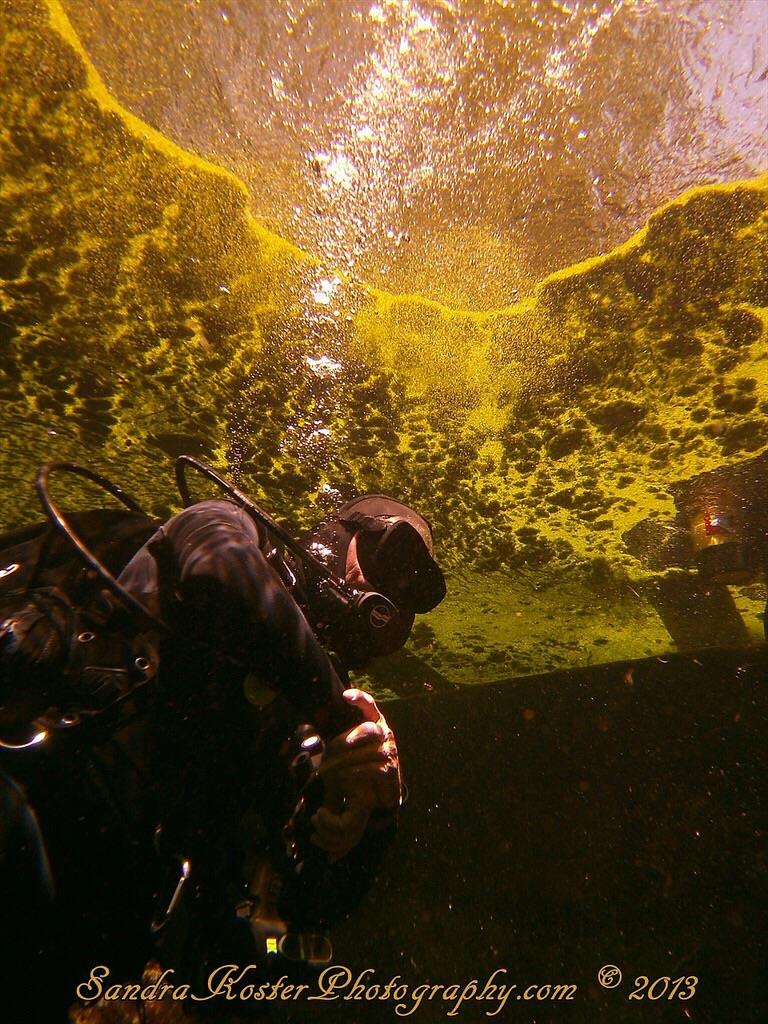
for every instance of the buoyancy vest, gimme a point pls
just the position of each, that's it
(66, 654)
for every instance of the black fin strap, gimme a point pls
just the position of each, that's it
(361, 521)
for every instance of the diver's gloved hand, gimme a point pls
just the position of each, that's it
(361, 774)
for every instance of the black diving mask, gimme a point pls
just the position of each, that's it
(395, 560)
(394, 553)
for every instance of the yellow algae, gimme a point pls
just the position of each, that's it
(637, 240)
(145, 312)
(60, 23)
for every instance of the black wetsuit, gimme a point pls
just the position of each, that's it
(206, 570)
(194, 762)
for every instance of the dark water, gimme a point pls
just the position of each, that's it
(621, 822)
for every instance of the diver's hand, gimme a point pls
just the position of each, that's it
(361, 774)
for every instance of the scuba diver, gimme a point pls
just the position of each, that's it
(184, 773)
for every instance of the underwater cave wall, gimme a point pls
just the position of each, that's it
(144, 312)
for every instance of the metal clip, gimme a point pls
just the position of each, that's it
(36, 740)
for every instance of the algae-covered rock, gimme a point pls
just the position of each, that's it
(144, 312)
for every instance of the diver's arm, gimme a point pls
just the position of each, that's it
(229, 591)
(224, 576)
